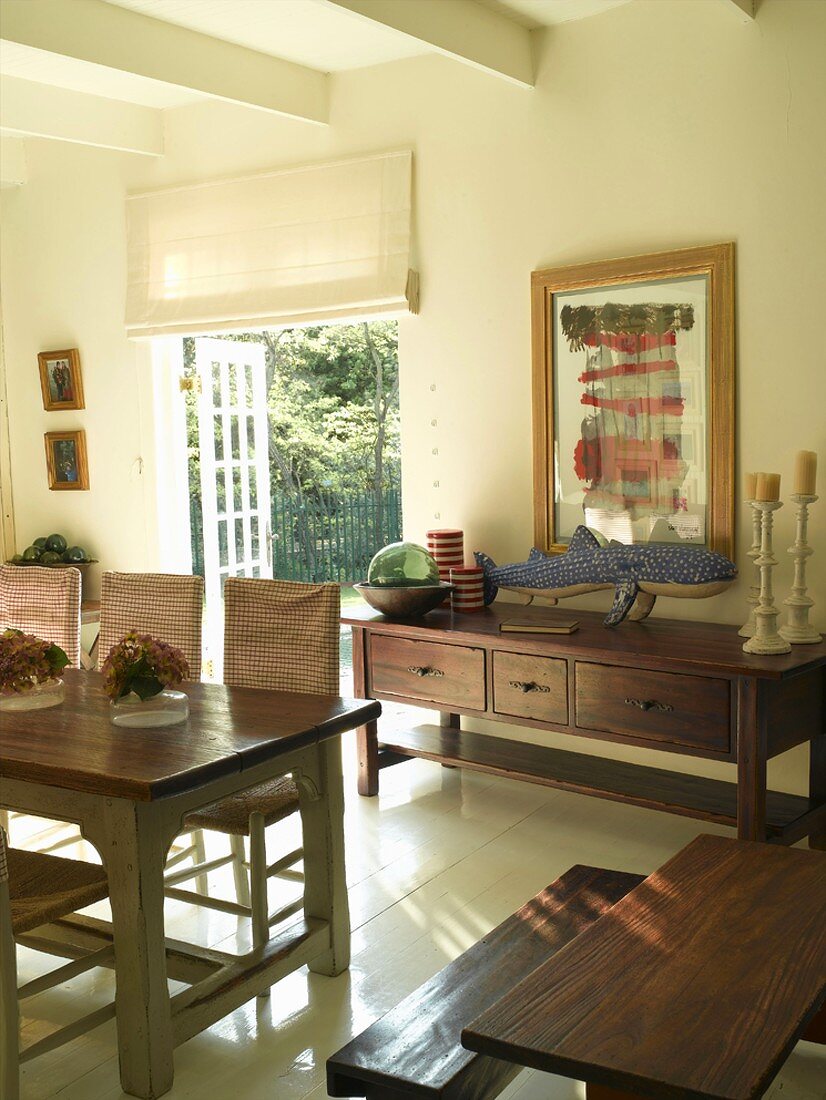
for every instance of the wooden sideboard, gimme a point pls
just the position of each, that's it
(677, 686)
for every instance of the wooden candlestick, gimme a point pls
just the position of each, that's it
(797, 629)
(766, 638)
(749, 627)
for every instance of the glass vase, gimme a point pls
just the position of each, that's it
(167, 708)
(48, 694)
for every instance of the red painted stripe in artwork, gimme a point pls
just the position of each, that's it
(636, 406)
(621, 369)
(629, 343)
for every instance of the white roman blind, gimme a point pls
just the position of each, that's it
(292, 246)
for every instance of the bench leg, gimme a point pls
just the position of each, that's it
(816, 1031)
(605, 1092)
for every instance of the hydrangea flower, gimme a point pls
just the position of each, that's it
(26, 661)
(144, 665)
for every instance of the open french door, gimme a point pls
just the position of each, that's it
(235, 473)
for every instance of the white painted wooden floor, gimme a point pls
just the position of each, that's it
(434, 862)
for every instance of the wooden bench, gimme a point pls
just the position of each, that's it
(696, 984)
(415, 1050)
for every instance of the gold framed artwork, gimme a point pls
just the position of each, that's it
(66, 460)
(60, 380)
(633, 399)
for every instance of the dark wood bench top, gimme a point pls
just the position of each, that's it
(697, 984)
(414, 1051)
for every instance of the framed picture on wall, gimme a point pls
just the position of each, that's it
(66, 460)
(633, 383)
(60, 380)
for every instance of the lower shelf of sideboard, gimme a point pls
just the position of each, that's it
(789, 816)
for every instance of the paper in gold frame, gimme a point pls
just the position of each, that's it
(717, 263)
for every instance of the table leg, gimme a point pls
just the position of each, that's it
(367, 736)
(133, 847)
(751, 762)
(325, 881)
(817, 783)
(449, 721)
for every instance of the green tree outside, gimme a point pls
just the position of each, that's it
(333, 412)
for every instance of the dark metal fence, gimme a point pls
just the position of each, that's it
(330, 537)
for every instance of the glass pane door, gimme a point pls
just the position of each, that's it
(235, 472)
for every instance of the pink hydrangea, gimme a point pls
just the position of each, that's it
(26, 661)
(144, 665)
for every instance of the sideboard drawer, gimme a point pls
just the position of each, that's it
(530, 687)
(448, 675)
(673, 710)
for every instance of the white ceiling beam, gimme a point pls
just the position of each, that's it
(41, 110)
(460, 29)
(745, 10)
(102, 34)
(12, 162)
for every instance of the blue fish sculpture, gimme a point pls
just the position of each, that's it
(638, 574)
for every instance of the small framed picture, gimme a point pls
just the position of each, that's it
(60, 380)
(66, 460)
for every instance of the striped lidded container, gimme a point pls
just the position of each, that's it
(447, 545)
(468, 593)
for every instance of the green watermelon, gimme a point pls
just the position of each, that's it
(40, 543)
(75, 553)
(49, 558)
(56, 543)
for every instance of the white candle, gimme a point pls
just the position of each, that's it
(749, 486)
(805, 473)
(768, 487)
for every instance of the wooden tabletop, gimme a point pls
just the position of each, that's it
(681, 642)
(697, 983)
(75, 745)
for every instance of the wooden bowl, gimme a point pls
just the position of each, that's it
(408, 602)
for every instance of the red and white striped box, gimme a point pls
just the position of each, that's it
(447, 545)
(468, 593)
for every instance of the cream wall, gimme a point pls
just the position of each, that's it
(661, 124)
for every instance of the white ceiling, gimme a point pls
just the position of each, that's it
(82, 76)
(304, 31)
(545, 13)
(307, 32)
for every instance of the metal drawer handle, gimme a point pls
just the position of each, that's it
(527, 685)
(649, 704)
(423, 670)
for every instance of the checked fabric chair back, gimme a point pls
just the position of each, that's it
(43, 601)
(168, 606)
(283, 636)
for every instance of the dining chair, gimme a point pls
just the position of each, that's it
(37, 889)
(168, 606)
(284, 636)
(45, 602)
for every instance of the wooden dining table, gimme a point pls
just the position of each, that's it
(129, 791)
